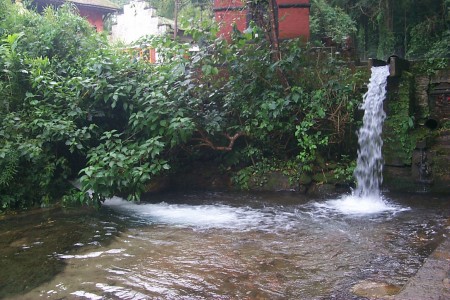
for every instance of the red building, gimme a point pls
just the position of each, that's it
(93, 10)
(293, 17)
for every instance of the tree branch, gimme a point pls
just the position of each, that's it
(206, 142)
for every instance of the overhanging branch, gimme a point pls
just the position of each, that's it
(206, 142)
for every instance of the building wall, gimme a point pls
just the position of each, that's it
(293, 17)
(229, 14)
(94, 17)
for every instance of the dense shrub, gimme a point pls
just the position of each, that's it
(74, 106)
(42, 111)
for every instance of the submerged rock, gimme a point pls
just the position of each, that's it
(375, 290)
(322, 190)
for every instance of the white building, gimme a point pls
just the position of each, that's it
(138, 19)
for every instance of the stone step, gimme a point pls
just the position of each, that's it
(443, 139)
(442, 145)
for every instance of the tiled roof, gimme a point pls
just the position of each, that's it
(96, 3)
(99, 4)
(166, 21)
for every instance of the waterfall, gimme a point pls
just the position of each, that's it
(366, 198)
(369, 167)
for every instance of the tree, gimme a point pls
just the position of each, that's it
(328, 21)
(73, 106)
(42, 116)
(188, 11)
(387, 27)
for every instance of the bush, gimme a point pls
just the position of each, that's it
(76, 107)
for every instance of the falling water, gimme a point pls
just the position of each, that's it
(366, 198)
(368, 172)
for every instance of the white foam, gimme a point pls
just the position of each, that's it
(364, 205)
(205, 216)
(121, 293)
(245, 218)
(91, 254)
(87, 295)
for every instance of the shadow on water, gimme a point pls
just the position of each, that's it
(30, 242)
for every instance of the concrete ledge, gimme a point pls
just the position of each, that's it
(432, 281)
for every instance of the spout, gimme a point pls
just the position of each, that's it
(373, 62)
(397, 65)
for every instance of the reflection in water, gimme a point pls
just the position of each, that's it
(234, 246)
(30, 241)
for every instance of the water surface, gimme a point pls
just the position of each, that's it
(217, 246)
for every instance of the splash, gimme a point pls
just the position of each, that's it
(206, 216)
(360, 206)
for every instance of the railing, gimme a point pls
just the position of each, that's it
(146, 54)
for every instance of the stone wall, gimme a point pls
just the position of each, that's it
(417, 133)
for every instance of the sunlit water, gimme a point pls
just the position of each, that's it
(216, 246)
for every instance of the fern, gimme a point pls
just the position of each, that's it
(8, 168)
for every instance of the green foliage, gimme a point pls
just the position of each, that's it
(429, 34)
(245, 94)
(345, 169)
(119, 167)
(330, 21)
(42, 115)
(386, 27)
(257, 175)
(74, 106)
(189, 10)
(400, 122)
(435, 48)
(165, 8)
(386, 41)
(197, 14)
(9, 166)
(144, 117)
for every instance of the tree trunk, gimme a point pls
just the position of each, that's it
(274, 30)
(274, 41)
(388, 15)
(175, 30)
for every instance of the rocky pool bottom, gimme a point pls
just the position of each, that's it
(220, 246)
